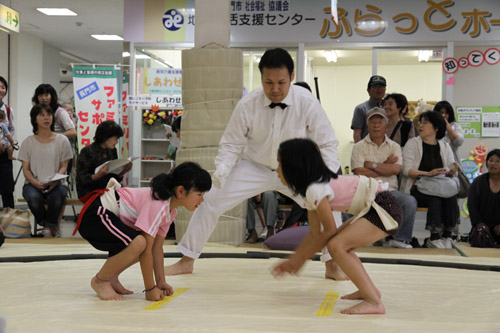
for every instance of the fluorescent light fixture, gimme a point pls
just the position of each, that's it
(107, 37)
(125, 54)
(330, 56)
(142, 56)
(424, 55)
(57, 11)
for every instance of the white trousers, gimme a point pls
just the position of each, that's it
(247, 179)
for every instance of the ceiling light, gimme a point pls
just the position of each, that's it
(142, 56)
(330, 56)
(57, 11)
(125, 54)
(424, 55)
(107, 37)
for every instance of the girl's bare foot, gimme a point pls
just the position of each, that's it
(183, 266)
(357, 295)
(119, 288)
(104, 290)
(365, 307)
(334, 272)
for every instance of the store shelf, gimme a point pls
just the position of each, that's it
(154, 144)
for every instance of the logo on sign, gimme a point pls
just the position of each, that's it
(173, 20)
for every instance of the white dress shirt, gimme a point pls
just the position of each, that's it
(255, 131)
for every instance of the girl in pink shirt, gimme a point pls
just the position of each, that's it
(376, 214)
(131, 224)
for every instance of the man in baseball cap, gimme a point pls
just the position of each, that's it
(376, 91)
(379, 157)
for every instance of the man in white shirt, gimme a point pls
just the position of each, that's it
(379, 157)
(247, 159)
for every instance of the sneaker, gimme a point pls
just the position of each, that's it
(448, 242)
(398, 244)
(436, 244)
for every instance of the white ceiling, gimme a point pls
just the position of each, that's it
(71, 34)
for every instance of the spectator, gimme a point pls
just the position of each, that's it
(269, 204)
(428, 155)
(98, 152)
(484, 198)
(376, 90)
(44, 155)
(46, 94)
(379, 157)
(174, 144)
(7, 183)
(6, 139)
(399, 129)
(454, 137)
(454, 133)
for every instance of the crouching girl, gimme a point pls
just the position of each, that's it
(131, 224)
(376, 214)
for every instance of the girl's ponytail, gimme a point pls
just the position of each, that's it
(162, 186)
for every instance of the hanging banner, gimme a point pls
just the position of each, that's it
(281, 21)
(96, 99)
(125, 115)
(159, 81)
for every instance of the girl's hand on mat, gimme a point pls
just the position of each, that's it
(288, 266)
(166, 288)
(155, 295)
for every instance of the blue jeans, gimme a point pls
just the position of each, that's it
(37, 200)
(409, 206)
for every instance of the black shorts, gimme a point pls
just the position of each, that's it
(391, 206)
(104, 230)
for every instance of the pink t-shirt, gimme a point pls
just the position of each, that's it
(140, 211)
(339, 192)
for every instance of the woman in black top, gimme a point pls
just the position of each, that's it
(484, 197)
(100, 151)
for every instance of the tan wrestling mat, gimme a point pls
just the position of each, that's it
(240, 295)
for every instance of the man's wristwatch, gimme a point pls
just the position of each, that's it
(374, 165)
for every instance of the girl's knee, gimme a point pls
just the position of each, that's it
(139, 243)
(336, 246)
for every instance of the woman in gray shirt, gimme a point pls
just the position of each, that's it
(45, 155)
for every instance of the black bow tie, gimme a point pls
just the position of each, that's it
(281, 105)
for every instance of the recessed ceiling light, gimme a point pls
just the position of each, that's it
(107, 37)
(57, 11)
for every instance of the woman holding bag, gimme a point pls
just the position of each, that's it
(429, 156)
(454, 136)
(484, 203)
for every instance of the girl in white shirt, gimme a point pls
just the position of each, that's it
(377, 214)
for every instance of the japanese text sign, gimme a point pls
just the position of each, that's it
(96, 99)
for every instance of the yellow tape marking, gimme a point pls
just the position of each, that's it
(326, 307)
(159, 304)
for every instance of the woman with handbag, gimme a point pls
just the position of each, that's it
(428, 156)
(484, 204)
